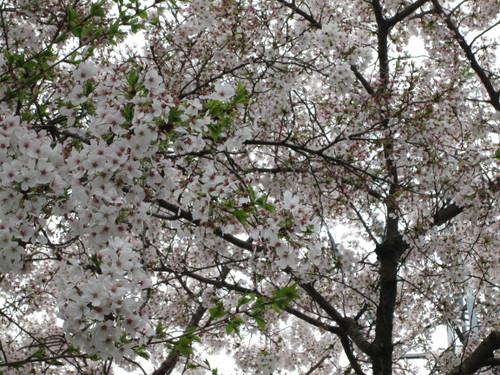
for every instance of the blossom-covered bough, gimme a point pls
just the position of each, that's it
(290, 182)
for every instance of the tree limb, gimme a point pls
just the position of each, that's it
(169, 364)
(406, 12)
(480, 357)
(348, 324)
(299, 11)
(493, 94)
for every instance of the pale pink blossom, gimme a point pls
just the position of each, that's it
(222, 92)
(84, 72)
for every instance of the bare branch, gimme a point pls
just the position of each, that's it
(363, 80)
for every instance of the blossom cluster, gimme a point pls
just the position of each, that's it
(102, 312)
(151, 193)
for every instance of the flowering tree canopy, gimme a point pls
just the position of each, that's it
(289, 182)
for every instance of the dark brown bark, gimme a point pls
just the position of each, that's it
(349, 325)
(388, 254)
(480, 357)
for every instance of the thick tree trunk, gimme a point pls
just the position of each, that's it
(388, 254)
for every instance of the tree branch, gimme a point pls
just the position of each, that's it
(299, 11)
(349, 325)
(346, 324)
(346, 344)
(480, 357)
(317, 365)
(186, 215)
(492, 93)
(169, 364)
(446, 213)
(221, 284)
(183, 95)
(451, 210)
(406, 12)
(363, 80)
(383, 48)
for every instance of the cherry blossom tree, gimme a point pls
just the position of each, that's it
(287, 182)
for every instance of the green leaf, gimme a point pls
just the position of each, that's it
(238, 321)
(39, 353)
(124, 340)
(122, 217)
(184, 350)
(241, 96)
(215, 107)
(72, 16)
(132, 78)
(46, 54)
(17, 366)
(11, 94)
(55, 362)
(154, 21)
(252, 193)
(71, 349)
(260, 301)
(77, 31)
(215, 131)
(160, 330)
(89, 88)
(164, 146)
(244, 300)
(183, 345)
(283, 297)
(114, 33)
(135, 27)
(18, 59)
(93, 258)
(62, 38)
(234, 326)
(261, 202)
(174, 117)
(217, 312)
(241, 216)
(260, 322)
(96, 10)
(276, 308)
(128, 112)
(288, 293)
(141, 352)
